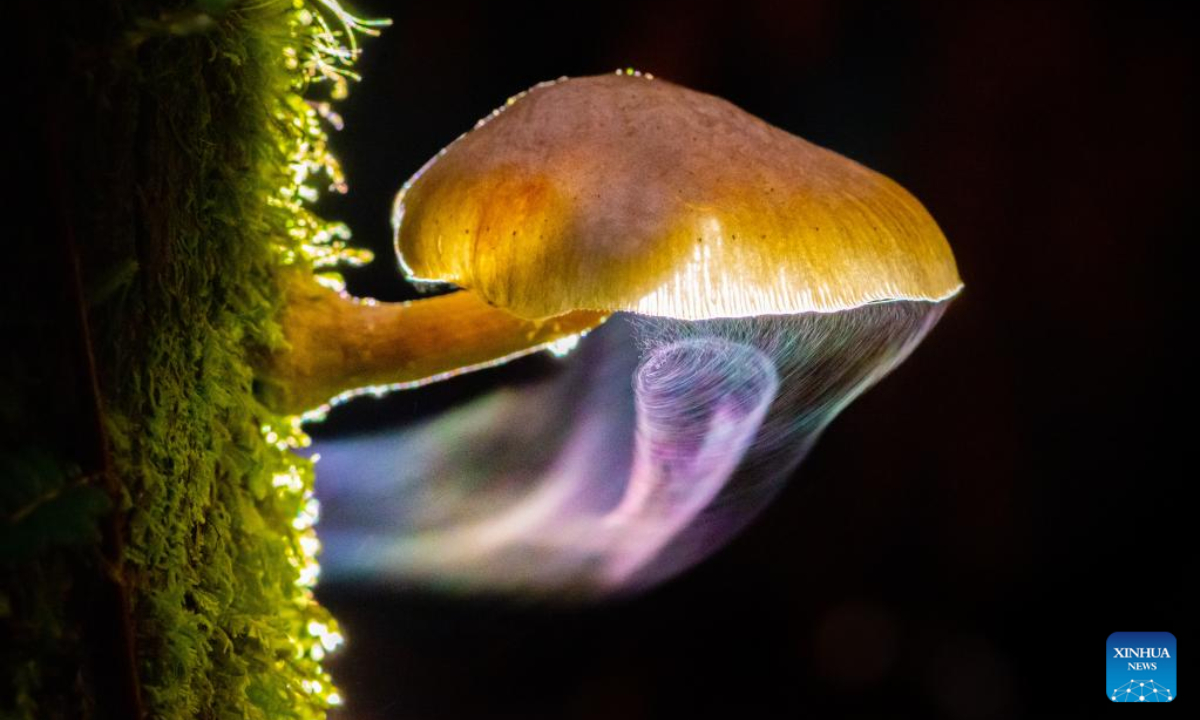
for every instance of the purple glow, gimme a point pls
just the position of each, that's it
(657, 443)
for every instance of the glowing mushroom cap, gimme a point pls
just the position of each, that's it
(625, 193)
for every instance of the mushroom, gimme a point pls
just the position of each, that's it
(754, 283)
(624, 193)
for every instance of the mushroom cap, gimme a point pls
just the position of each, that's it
(626, 193)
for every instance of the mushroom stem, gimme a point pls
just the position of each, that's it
(337, 344)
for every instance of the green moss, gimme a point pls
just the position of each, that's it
(191, 149)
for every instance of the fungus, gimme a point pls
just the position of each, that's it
(754, 285)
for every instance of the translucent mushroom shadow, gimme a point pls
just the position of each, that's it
(658, 443)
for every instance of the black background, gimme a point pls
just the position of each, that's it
(968, 533)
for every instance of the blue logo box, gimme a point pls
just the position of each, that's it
(1141, 667)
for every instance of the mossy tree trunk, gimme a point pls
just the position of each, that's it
(154, 546)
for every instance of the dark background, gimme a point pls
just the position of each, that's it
(967, 533)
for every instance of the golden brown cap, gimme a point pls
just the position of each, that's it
(620, 192)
